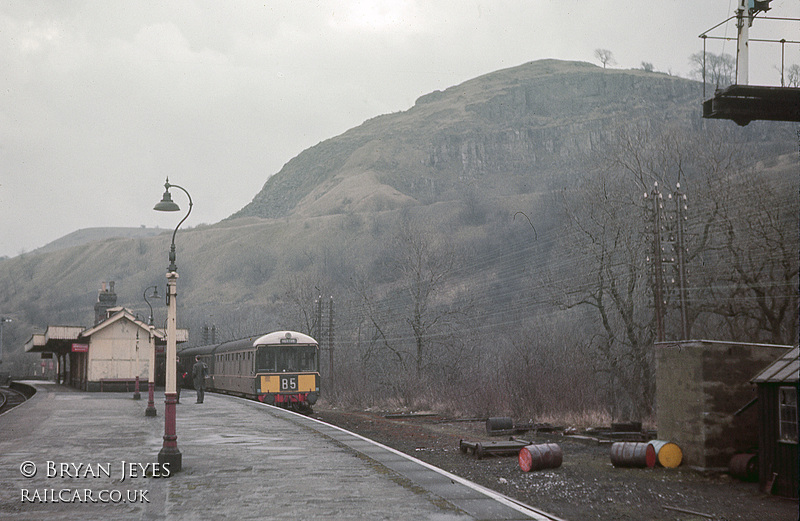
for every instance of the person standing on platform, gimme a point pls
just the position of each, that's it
(199, 374)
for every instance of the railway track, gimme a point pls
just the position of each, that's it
(9, 398)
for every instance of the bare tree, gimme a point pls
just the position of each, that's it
(793, 76)
(717, 69)
(607, 241)
(742, 251)
(425, 262)
(300, 293)
(422, 262)
(605, 57)
(749, 273)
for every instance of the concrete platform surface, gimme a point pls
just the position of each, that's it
(69, 455)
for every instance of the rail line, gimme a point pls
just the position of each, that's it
(9, 398)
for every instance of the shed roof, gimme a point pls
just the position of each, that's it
(117, 314)
(783, 370)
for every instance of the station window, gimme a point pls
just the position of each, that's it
(787, 409)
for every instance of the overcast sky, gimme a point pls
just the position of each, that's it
(100, 101)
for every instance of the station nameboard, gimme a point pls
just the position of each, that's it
(80, 348)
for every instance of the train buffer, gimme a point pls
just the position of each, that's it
(479, 449)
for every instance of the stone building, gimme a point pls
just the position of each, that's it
(703, 397)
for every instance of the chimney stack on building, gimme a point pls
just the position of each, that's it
(106, 299)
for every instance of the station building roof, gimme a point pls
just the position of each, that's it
(59, 339)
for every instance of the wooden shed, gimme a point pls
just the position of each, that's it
(778, 425)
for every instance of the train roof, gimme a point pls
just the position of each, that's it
(276, 337)
(197, 350)
(284, 337)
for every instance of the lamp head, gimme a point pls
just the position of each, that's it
(166, 204)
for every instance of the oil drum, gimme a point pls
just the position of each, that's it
(744, 467)
(500, 423)
(629, 454)
(664, 453)
(540, 456)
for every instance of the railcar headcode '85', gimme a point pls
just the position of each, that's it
(279, 368)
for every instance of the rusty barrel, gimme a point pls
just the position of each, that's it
(744, 467)
(540, 456)
(664, 453)
(629, 454)
(500, 423)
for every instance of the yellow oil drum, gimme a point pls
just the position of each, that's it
(664, 453)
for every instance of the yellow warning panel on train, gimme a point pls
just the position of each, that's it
(270, 384)
(307, 383)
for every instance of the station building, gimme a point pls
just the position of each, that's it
(109, 355)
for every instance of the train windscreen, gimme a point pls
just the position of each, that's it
(278, 359)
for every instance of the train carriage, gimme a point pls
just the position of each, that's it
(279, 368)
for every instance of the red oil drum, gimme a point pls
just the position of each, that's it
(540, 456)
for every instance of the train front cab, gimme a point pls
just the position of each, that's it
(287, 372)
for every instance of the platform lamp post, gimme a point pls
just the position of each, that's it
(3, 320)
(169, 451)
(136, 394)
(151, 366)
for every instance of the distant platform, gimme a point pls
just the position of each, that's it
(745, 103)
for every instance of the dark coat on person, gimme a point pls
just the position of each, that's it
(199, 373)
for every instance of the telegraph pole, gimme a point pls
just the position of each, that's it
(330, 339)
(669, 229)
(680, 213)
(658, 253)
(3, 320)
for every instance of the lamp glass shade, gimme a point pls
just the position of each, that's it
(166, 204)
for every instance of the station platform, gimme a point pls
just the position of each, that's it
(66, 455)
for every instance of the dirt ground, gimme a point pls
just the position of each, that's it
(585, 487)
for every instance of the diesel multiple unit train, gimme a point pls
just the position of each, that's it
(279, 368)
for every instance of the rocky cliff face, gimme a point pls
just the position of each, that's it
(524, 129)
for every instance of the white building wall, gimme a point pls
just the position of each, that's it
(113, 352)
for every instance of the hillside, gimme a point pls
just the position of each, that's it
(87, 235)
(518, 130)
